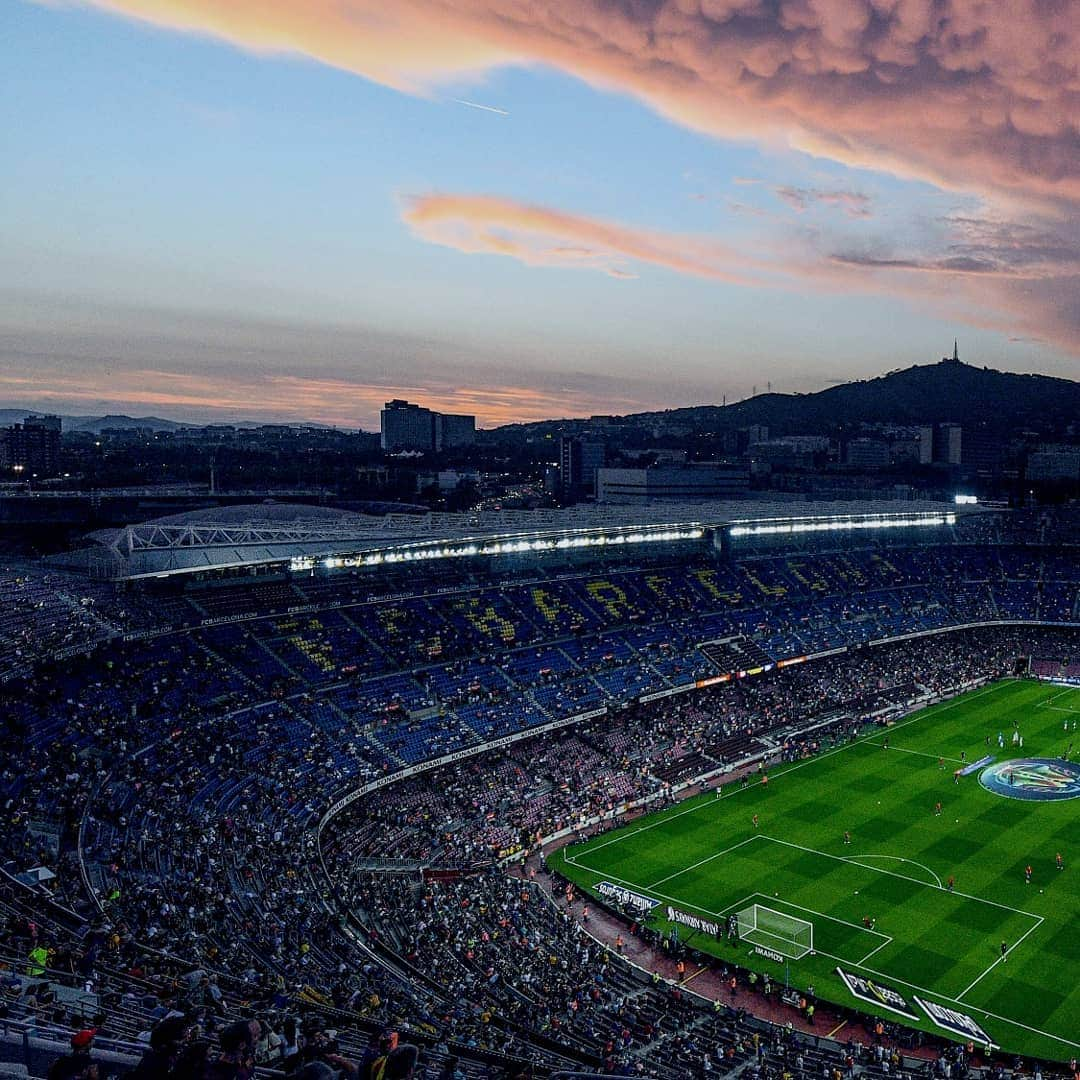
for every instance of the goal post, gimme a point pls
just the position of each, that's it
(776, 930)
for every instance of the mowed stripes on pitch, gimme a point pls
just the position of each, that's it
(708, 856)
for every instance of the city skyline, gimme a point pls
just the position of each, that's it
(527, 212)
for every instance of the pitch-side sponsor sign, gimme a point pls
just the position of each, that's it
(769, 954)
(878, 995)
(956, 1023)
(625, 896)
(674, 915)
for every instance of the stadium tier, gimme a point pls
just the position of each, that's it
(332, 799)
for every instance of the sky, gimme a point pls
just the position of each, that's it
(276, 210)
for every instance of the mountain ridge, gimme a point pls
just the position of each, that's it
(949, 391)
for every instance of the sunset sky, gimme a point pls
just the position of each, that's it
(285, 210)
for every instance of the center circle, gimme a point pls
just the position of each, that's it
(1033, 779)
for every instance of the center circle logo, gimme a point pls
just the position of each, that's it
(1035, 779)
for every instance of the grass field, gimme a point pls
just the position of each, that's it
(706, 858)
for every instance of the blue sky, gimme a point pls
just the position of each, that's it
(192, 228)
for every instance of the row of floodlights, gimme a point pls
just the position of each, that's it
(790, 527)
(496, 547)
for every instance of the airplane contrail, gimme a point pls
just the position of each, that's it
(485, 108)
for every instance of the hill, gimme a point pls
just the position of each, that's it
(94, 425)
(949, 391)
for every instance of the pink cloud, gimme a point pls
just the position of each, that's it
(277, 398)
(976, 95)
(854, 203)
(979, 94)
(540, 236)
(986, 271)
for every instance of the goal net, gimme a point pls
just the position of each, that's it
(775, 930)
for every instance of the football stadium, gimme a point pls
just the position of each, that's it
(668, 791)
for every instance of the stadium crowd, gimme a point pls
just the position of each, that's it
(199, 918)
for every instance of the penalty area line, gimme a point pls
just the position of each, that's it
(871, 971)
(1002, 959)
(887, 941)
(701, 862)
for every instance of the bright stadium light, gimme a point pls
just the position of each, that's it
(966, 500)
(791, 527)
(508, 546)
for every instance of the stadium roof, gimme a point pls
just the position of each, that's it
(253, 535)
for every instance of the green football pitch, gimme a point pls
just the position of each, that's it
(705, 857)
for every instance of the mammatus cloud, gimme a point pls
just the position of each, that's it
(978, 94)
(540, 236)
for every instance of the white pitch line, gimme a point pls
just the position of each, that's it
(904, 877)
(888, 941)
(895, 858)
(922, 753)
(1067, 691)
(625, 832)
(1000, 958)
(700, 862)
(956, 1001)
(809, 911)
(881, 974)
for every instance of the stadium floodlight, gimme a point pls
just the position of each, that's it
(511, 546)
(776, 931)
(832, 525)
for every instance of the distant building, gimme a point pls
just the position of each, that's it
(948, 445)
(677, 483)
(739, 440)
(454, 429)
(579, 460)
(940, 444)
(926, 444)
(669, 457)
(1054, 463)
(446, 479)
(404, 425)
(982, 453)
(32, 448)
(867, 454)
(792, 452)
